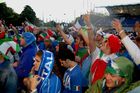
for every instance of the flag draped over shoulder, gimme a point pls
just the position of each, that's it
(8, 47)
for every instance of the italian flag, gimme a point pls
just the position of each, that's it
(8, 48)
(76, 88)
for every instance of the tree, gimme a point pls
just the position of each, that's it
(28, 14)
(7, 14)
(39, 22)
(51, 24)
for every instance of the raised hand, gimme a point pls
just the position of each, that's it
(117, 25)
(35, 80)
(87, 19)
(58, 27)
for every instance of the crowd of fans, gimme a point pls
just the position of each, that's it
(88, 61)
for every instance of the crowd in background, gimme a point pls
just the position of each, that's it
(83, 60)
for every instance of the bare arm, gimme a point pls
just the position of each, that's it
(59, 29)
(131, 47)
(117, 25)
(92, 42)
(85, 37)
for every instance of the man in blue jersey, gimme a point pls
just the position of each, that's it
(72, 79)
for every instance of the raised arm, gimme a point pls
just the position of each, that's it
(131, 47)
(92, 42)
(59, 29)
(85, 36)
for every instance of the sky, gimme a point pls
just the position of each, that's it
(64, 10)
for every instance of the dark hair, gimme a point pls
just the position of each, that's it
(64, 54)
(82, 39)
(138, 39)
(39, 53)
(62, 45)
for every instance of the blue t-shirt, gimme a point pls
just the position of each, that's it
(73, 80)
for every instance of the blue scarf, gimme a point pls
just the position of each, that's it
(46, 66)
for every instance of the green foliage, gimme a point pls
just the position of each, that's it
(51, 24)
(39, 22)
(8, 14)
(28, 14)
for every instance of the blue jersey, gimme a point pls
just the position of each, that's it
(73, 80)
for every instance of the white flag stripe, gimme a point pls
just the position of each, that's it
(6, 45)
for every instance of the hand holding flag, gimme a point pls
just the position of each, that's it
(79, 23)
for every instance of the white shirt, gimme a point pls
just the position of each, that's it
(132, 48)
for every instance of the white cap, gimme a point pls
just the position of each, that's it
(100, 32)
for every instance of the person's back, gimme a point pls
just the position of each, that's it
(27, 41)
(8, 78)
(26, 61)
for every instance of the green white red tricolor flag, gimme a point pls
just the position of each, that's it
(8, 48)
